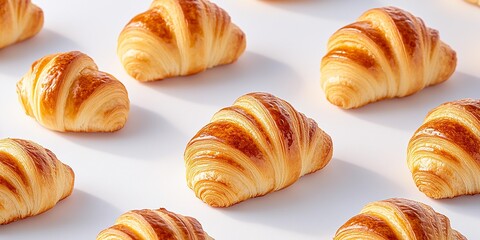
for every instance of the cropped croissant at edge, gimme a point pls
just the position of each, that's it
(178, 37)
(32, 179)
(66, 92)
(20, 20)
(386, 53)
(258, 145)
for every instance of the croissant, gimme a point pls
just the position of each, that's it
(474, 1)
(19, 20)
(386, 53)
(66, 92)
(32, 179)
(398, 218)
(258, 145)
(154, 224)
(178, 37)
(444, 153)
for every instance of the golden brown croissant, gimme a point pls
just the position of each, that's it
(474, 1)
(32, 179)
(19, 20)
(444, 153)
(67, 92)
(154, 224)
(178, 37)
(398, 218)
(259, 145)
(386, 53)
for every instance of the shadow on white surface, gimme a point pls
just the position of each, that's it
(15, 60)
(407, 113)
(71, 217)
(252, 72)
(465, 205)
(144, 128)
(320, 196)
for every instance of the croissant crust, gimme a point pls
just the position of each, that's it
(386, 53)
(178, 37)
(32, 179)
(398, 218)
(154, 224)
(66, 92)
(258, 145)
(19, 20)
(444, 153)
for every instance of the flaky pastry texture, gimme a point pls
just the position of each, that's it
(258, 145)
(178, 37)
(386, 53)
(398, 218)
(159, 224)
(19, 20)
(66, 92)
(32, 179)
(444, 153)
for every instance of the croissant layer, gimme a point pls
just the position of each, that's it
(158, 224)
(32, 179)
(66, 92)
(398, 218)
(258, 145)
(19, 20)
(444, 153)
(178, 37)
(386, 53)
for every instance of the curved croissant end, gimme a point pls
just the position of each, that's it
(259, 145)
(67, 92)
(398, 218)
(154, 224)
(477, 2)
(444, 153)
(178, 37)
(32, 179)
(19, 20)
(386, 53)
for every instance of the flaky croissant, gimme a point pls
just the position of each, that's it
(477, 2)
(66, 92)
(32, 179)
(398, 218)
(386, 53)
(154, 225)
(444, 153)
(178, 37)
(258, 145)
(19, 20)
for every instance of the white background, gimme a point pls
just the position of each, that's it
(141, 166)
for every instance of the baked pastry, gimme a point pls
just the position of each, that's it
(19, 20)
(154, 224)
(386, 53)
(258, 145)
(398, 218)
(32, 179)
(66, 92)
(444, 153)
(474, 1)
(178, 37)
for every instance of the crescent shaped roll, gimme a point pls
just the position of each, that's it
(477, 2)
(66, 92)
(178, 37)
(444, 153)
(154, 224)
(32, 179)
(19, 20)
(386, 53)
(258, 145)
(398, 218)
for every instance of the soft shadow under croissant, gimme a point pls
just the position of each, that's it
(178, 37)
(386, 53)
(66, 92)
(259, 145)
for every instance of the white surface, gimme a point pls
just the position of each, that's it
(141, 166)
